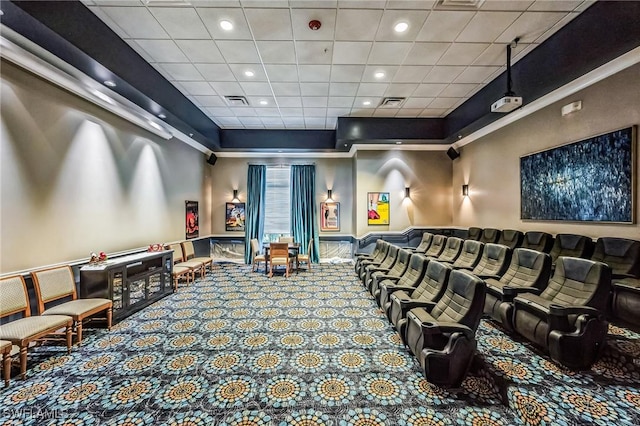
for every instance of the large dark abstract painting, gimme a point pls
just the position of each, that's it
(590, 180)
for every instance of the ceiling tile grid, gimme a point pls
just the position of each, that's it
(293, 76)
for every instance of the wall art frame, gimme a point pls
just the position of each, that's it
(377, 208)
(329, 216)
(234, 217)
(192, 227)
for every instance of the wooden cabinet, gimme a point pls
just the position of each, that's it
(132, 282)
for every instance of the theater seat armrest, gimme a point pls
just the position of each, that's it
(378, 269)
(563, 311)
(622, 276)
(509, 293)
(393, 288)
(407, 305)
(430, 328)
(487, 276)
(389, 277)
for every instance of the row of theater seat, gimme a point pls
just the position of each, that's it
(562, 311)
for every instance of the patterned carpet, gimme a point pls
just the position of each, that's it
(240, 349)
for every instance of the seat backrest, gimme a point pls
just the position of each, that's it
(474, 234)
(490, 235)
(511, 238)
(187, 250)
(392, 255)
(425, 242)
(579, 282)
(384, 250)
(310, 247)
(285, 239)
(255, 247)
(621, 254)
(433, 283)
(463, 300)
(415, 271)
(469, 255)
(437, 246)
(178, 256)
(278, 250)
(401, 264)
(451, 250)
(53, 284)
(14, 297)
(528, 268)
(539, 241)
(571, 245)
(494, 261)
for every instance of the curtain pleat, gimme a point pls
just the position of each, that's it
(304, 214)
(254, 221)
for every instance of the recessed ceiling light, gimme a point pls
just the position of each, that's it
(401, 27)
(398, 142)
(249, 73)
(379, 74)
(366, 103)
(161, 115)
(263, 102)
(110, 83)
(226, 25)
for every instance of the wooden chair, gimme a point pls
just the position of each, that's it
(279, 256)
(185, 267)
(58, 283)
(14, 299)
(306, 257)
(285, 240)
(178, 272)
(256, 256)
(189, 254)
(5, 350)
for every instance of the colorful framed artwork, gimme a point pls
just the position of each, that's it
(377, 208)
(191, 219)
(592, 180)
(330, 216)
(234, 217)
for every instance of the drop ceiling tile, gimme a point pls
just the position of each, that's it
(414, 18)
(291, 112)
(180, 22)
(239, 70)
(362, 112)
(256, 88)
(409, 112)
(368, 4)
(426, 53)
(198, 88)
(357, 24)
(254, 101)
(564, 21)
(411, 73)
(487, 26)
(386, 52)
(238, 52)
(277, 52)
(254, 126)
(227, 88)
(332, 122)
(506, 5)
(216, 72)
(272, 122)
(250, 121)
(268, 112)
(419, 103)
(269, 24)
(327, 4)
(556, 5)
(366, 102)
(385, 112)
(346, 73)
(302, 17)
(345, 52)
(462, 53)
(204, 51)
(229, 121)
(206, 101)
(286, 89)
(279, 73)
(343, 89)
(314, 73)
(475, 74)
(293, 122)
(220, 112)
(429, 90)
(315, 112)
(314, 101)
(137, 22)
(443, 74)
(443, 25)
(410, 4)
(314, 89)
(457, 90)
(244, 111)
(338, 112)
(110, 22)
(530, 26)
(314, 122)
(369, 75)
(496, 54)
(289, 101)
(443, 103)
(372, 89)
(431, 112)
(211, 16)
(182, 72)
(340, 102)
(265, 3)
(314, 52)
(143, 53)
(401, 89)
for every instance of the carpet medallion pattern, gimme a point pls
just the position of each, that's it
(238, 348)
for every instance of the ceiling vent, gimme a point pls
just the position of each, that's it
(459, 4)
(236, 101)
(391, 102)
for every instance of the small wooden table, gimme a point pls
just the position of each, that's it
(293, 248)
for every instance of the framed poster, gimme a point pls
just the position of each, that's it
(330, 216)
(191, 219)
(234, 217)
(377, 208)
(592, 180)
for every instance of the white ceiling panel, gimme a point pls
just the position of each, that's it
(198, 88)
(428, 90)
(507, 5)
(248, 121)
(282, 73)
(268, 112)
(443, 102)
(462, 53)
(107, 20)
(227, 88)
(314, 89)
(314, 73)
(400, 89)
(444, 25)
(340, 102)
(137, 22)
(413, 18)
(315, 112)
(269, 24)
(366, 102)
(286, 89)
(338, 112)
(475, 74)
(555, 5)
(343, 89)
(245, 111)
(457, 90)
(210, 101)
(357, 24)
(362, 112)
(182, 72)
(346, 73)
(443, 74)
(431, 112)
(238, 52)
(372, 73)
(487, 26)
(302, 17)
(314, 52)
(314, 122)
(417, 103)
(426, 53)
(291, 112)
(294, 122)
(135, 46)
(314, 101)
(258, 101)
(289, 101)
(213, 16)
(384, 52)
(410, 4)
(530, 26)
(386, 112)
(204, 51)
(372, 89)
(351, 52)
(216, 72)
(180, 22)
(277, 52)
(256, 72)
(255, 88)
(220, 112)
(409, 112)
(272, 122)
(411, 74)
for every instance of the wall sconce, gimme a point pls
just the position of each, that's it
(465, 190)
(407, 194)
(329, 194)
(235, 196)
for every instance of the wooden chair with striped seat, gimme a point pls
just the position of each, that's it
(189, 254)
(279, 256)
(5, 350)
(182, 267)
(306, 257)
(14, 300)
(256, 256)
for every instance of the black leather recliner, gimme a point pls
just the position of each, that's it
(442, 337)
(397, 270)
(451, 250)
(528, 269)
(437, 246)
(470, 255)
(539, 241)
(490, 235)
(511, 238)
(410, 279)
(571, 245)
(567, 319)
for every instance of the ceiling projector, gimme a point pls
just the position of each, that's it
(506, 104)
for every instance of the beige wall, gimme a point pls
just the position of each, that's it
(76, 179)
(426, 173)
(491, 165)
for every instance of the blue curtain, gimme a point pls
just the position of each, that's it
(254, 217)
(304, 214)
